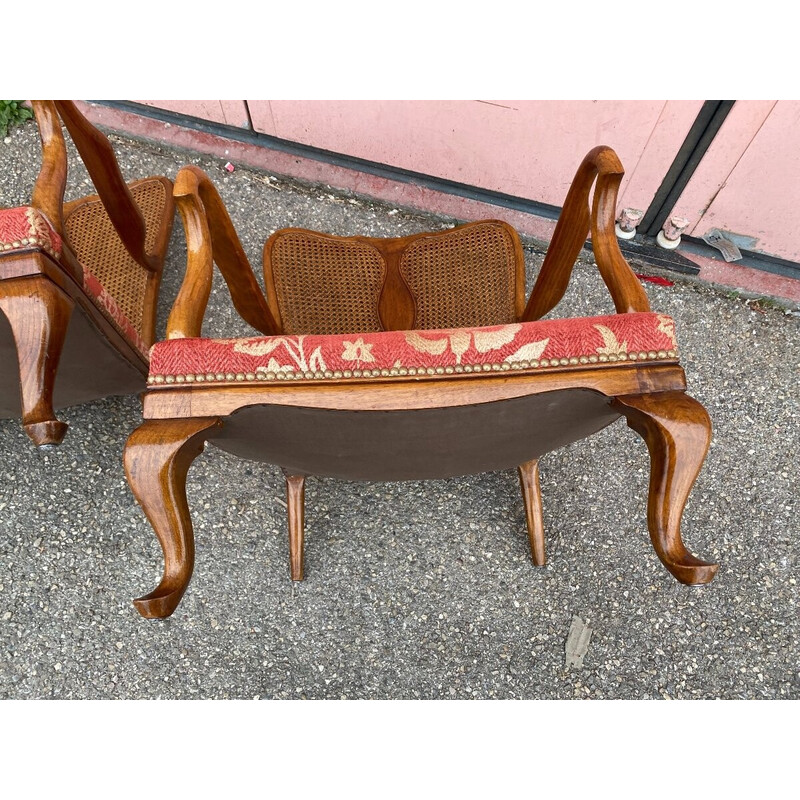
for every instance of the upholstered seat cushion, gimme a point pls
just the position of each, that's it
(574, 343)
(26, 228)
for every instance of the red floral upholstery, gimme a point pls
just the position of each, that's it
(26, 228)
(109, 306)
(529, 346)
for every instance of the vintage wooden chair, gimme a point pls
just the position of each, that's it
(78, 281)
(392, 359)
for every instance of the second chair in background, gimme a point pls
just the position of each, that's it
(78, 281)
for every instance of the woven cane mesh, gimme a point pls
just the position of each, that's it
(326, 286)
(465, 278)
(101, 251)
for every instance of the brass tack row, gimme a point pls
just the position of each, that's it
(31, 241)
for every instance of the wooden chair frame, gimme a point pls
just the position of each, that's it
(179, 419)
(39, 293)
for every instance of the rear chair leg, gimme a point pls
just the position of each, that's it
(157, 457)
(295, 505)
(677, 431)
(38, 313)
(532, 497)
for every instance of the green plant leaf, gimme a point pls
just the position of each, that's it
(12, 112)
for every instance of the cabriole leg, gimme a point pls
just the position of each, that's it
(157, 457)
(677, 431)
(532, 498)
(38, 313)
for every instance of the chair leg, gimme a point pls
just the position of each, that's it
(38, 313)
(677, 431)
(532, 498)
(157, 457)
(295, 505)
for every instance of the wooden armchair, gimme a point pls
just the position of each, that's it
(392, 359)
(78, 281)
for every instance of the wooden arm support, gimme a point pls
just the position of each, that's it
(101, 163)
(211, 237)
(571, 231)
(48, 192)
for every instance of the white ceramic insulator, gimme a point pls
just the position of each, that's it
(667, 244)
(621, 234)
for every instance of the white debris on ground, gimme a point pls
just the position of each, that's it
(577, 643)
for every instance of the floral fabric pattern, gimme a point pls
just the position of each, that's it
(109, 306)
(530, 346)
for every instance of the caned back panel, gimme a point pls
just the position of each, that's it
(99, 248)
(462, 278)
(324, 284)
(468, 276)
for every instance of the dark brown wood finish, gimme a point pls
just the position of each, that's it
(282, 439)
(397, 306)
(398, 427)
(36, 263)
(48, 191)
(405, 394)
(295, 509)
(210, 238)
(100, 161)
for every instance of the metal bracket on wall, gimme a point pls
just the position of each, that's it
(717, 238)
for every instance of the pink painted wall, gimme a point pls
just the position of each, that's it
(748, 182)
(525, 148)
(225, 112)
(645, 176)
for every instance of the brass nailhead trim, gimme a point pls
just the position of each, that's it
(33, 241)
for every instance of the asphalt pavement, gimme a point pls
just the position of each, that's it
(413, 589)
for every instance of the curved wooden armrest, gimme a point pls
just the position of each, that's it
(211, 237)
(98, 156)
(48, 191)
(571, 232)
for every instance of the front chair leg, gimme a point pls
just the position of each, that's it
(157, 457)
(38, 313)
(295, 507)
(532, 498)
(677, 431)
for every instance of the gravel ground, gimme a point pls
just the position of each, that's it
(413, 590)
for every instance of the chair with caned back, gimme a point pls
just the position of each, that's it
(409, 358)
(78, 281)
